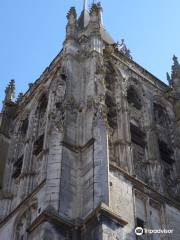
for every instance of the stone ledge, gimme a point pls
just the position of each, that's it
(143, 187)
(51, 215)
(78, 148)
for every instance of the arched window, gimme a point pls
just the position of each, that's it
(41, 115)
(42, 106)
(133, 98)
(19, 151)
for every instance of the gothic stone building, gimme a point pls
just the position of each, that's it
(92, 149)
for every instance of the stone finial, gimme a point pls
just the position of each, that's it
(10, 91)
(169, 79)
(175, 68)
(96, 8)
(96, 13)
(72, 15)
(175, 60)
(30, 85)
(123, 48)
(19, 98)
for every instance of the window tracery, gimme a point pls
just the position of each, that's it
(138, 139)
(24, 220)
(138, 135)
(41, 114)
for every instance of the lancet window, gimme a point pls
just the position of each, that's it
(41, 114)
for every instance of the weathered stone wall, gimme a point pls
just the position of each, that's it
(88, 132)
(121, 202)
(172, 220)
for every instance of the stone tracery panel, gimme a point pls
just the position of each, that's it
(24, 220)
(138, 134)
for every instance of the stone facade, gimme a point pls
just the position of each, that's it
(92, 149)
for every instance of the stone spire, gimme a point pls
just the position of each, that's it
(85, 5)
(71, 15)
(71, 25)
(96, 10)
(175, 68)
(9, 93)
(84, 17)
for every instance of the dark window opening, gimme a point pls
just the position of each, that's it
(24, 126)
(109, 81)
(58, 105)
(38, 145)
(63, 76)
(133, 98)
(111, 113)
(139, 223)
(137, 136)
(165, 152)
(167, 173)
(17, 167)
(42, 105)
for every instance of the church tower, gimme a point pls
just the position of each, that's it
(91, 150)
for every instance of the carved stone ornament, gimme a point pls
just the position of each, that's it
(60, 91)
(175, 68)
(100, 68)
(100, 109)
(10, 91)
(57, 117)
(72, 15)
(123, 49)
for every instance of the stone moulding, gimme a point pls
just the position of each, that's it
(135, 67)
(24, 202)
(144, 188)
(50, 215)
(78, 148)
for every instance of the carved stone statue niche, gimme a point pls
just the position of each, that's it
(57, 114)
(60, 92)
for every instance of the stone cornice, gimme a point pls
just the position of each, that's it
(43, 78)
(52, 216)
(78, 148)
(139, 70)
